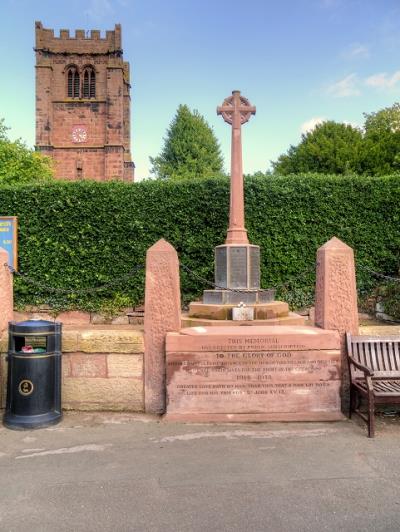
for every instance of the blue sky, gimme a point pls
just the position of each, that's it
(298, 61)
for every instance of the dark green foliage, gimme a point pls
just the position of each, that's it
(19, 164)
(190, 149)
(85, 234)
(381, 144)
(342, 149)
(330, 148)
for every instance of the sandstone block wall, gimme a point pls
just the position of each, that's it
(102, 370)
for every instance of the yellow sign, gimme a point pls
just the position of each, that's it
(25, 387)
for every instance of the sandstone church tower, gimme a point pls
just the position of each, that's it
(83, 104)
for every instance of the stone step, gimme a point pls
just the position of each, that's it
(291, 319)
(262, 311)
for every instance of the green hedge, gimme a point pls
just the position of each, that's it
(85, 234)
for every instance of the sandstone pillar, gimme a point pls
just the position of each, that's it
(162, 314)
(336, 296)
(6, 292)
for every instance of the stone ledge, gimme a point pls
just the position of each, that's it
(103, 341)
(291, 319)
(262, 311)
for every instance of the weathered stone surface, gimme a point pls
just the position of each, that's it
(336, 293)
(74, 318)
(6, 293)
(162, 315)
(103, 153)
(103, 394)
(291, 319)
(236, 110)
(276, 373)
(125, 366)
(3, 342)
(254, 338)
(120, 320)
(88, 365)
(274, 309)
(336, 297)
(70, 340)
(96, 380)
(110, 341)
(226, 297)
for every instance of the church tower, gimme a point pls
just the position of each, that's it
(83, 104)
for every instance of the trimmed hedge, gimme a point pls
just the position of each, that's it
(85, 234)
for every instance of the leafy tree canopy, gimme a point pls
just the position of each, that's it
(19, 164)
(340, 149)
(190, 149)
(381, 146)
(331, 148)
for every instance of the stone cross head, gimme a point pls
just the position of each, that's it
(236, 110)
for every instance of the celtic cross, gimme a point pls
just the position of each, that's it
(236, 110)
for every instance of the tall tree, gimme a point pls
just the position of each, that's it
(19, 164)
(330, 148)
(190, 148)
(381, 146)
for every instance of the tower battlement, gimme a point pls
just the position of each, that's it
(83, 41)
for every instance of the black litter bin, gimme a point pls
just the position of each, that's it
(34, 374)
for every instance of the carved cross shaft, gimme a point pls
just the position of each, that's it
(236, 110)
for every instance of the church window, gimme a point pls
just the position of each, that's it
(89, 83)
(73, 83)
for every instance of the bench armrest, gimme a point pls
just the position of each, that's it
(367, 372)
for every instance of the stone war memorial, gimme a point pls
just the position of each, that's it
(237, 355)
(265, 366)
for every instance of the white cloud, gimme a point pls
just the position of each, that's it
(309, 125)
(345, 87)
(383, 80)
(357, 51)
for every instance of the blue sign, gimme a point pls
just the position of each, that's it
(8, 238)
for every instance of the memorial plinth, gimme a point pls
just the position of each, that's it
(253, 374)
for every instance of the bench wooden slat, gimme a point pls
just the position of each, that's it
(381, 355)
(396, 353)
(376, 356)
(392, 360)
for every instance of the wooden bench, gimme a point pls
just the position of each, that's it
(374, 363)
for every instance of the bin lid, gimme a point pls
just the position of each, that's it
(32, 326)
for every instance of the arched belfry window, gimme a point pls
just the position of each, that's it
(89, 83)
(73, 82)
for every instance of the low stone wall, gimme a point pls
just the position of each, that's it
(102, 369)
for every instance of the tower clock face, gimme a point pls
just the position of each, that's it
(79, 134)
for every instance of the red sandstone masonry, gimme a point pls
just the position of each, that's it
(162, 315)
(106, 152)
(336, 297)
(252, 373)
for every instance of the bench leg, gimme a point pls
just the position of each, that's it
(371, 416)
(353, 401)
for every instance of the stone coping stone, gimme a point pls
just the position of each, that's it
(96, 340)
(258, 338)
